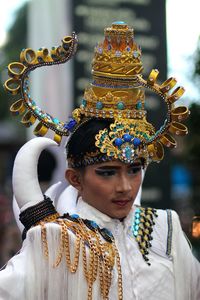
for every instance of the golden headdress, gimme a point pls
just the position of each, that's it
(117, 92)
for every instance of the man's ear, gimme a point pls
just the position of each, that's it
(74, 178)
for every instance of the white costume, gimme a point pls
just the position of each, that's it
(173, 274)
(177, 276)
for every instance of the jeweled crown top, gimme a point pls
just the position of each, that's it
(118, 56)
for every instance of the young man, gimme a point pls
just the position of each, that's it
(105, 246)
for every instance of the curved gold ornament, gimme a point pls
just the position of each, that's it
(19, 83)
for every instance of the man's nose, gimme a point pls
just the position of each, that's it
(123, 184)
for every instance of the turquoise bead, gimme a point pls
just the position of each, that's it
(139, 105)
(120, 105)
(75, 216)
(56, 121)
(84, 102)
(93, 224)
(137, 215)
(99, 105)
(136, 227)
(128, 153)
(119, 23)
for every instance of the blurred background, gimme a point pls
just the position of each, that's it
(169, 36)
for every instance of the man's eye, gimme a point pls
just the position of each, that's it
(105, 173)
(134, 170)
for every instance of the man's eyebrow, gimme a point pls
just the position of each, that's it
(136, 164)
(107, 167)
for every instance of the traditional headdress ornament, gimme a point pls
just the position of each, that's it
(116, 93)
(18, 84)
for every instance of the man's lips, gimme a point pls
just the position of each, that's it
(121, 202)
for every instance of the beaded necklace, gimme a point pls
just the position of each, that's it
(142, 228)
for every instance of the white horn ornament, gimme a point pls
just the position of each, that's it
(25, 177)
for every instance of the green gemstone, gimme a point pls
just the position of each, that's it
(84, 102)
(139, 105)
(99, 105)
(120, 105)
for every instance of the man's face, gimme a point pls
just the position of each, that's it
(111, 187)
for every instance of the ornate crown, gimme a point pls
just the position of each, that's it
(117, 92)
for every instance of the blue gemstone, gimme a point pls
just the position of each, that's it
(137, 215)
(120, 105)
(136, 142)
(127, 137)
(135, 232)
(93, 224)
(137, 221)
(135, 54)
(100, 50)
(119, 23)
(99, 105)
(139, 105)
(108, 232)
(136, 227)
(118, 142)
(70, 125)
(75, 216)
(137, 209)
